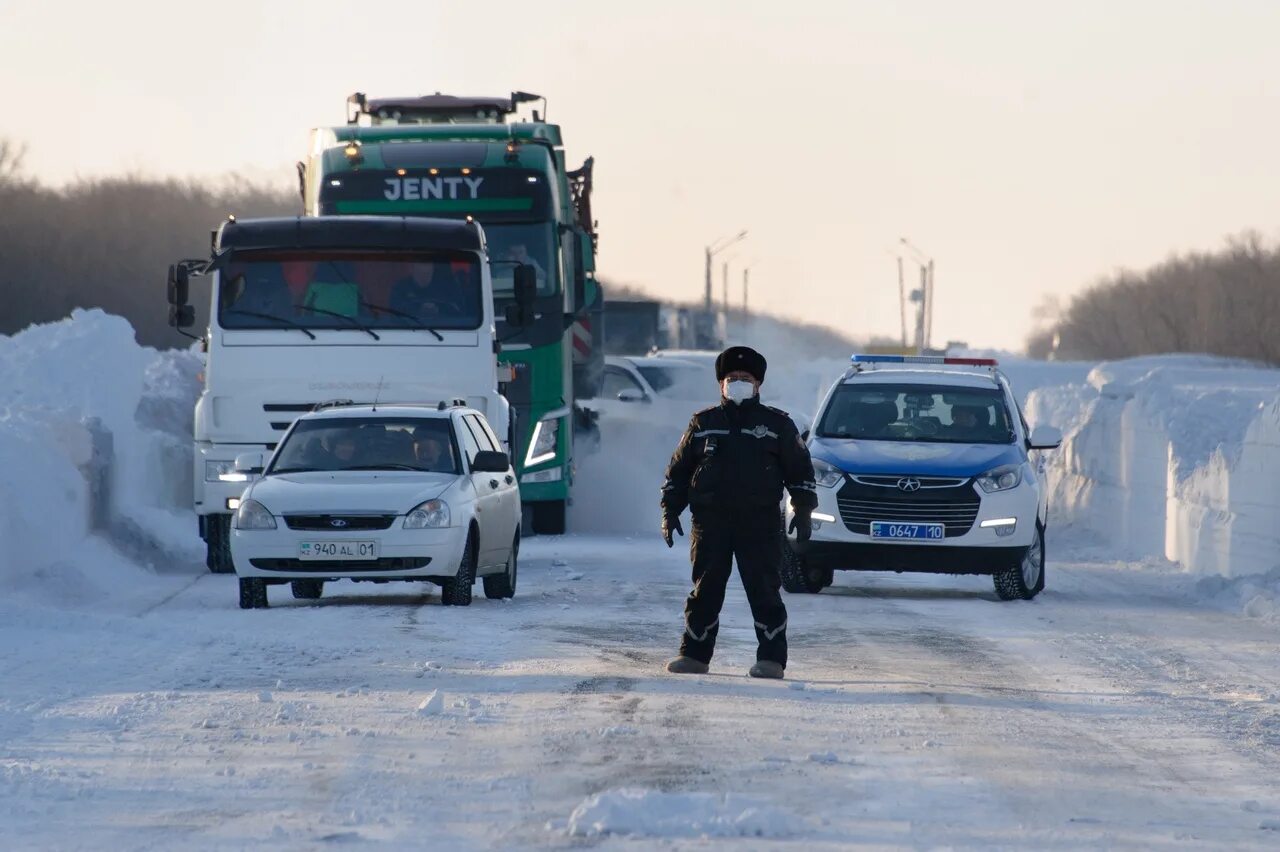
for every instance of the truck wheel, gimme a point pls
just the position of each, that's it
(798, 576)
(504, 585)
(1025, 579)
(456, 591)
(217, 532)
(307, 590)
(253, 593)
(549, 517)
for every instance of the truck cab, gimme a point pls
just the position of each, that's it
(308, 310)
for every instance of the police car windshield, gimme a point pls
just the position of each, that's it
(372, 443)
(917, 413)
(345, 290)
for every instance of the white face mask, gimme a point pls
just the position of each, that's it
(738, 390)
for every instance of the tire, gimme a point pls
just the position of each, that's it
(798, 576)
(549, 517)
(456, 591)
(217, 536)
(1025, 580)
(503, 585)
(253, 593)
(307, 590)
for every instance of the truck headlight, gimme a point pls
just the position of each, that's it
(543, 446)
(1001, 478)
(252, 515)
(432, 514)
(827, 475)
(215, 471)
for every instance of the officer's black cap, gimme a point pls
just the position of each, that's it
(742, 358)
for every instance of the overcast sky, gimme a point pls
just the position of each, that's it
(1028, 147)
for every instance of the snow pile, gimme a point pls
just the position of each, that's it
(1174, 457)
(651, 813)
(90, 449)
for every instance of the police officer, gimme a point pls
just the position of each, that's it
(730, 468)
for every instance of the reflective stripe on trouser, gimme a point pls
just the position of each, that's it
(715, 541)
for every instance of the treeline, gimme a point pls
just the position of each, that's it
(1221, 303)
(106, 242)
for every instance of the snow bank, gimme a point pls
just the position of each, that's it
(650, 813)
(1174, 457)
(94, 453)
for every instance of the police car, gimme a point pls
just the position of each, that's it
(379, 493)
(925, 464)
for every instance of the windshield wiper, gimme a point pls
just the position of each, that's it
(294, 470)
(300, 327)
(351, 320)
(384, 309)
(388, 466)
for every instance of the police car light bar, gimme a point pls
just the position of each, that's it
(923, 359)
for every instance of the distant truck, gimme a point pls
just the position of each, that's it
(308, 310)
(633, 326)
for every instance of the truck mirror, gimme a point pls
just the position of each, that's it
(514, 316)
(179, 283)
(182, 316)
(526, 286)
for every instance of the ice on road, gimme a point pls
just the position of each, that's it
(1113, 711)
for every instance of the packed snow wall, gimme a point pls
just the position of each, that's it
(1173, 457)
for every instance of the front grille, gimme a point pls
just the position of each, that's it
(313, 566)
(345, 523)
(925, 481)
(955, 507)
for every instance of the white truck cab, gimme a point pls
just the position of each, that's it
(307, 310)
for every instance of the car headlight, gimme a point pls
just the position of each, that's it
(543, 446)
(1001, 478)
(214, 471)
(432, 514)
(827, 475)
(252, 515)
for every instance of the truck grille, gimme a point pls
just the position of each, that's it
(339, 523)
(955, 506)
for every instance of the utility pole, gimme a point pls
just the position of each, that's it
(746, 314)
(710, 251)
(923, 297)
(724, 270)
(902, 302)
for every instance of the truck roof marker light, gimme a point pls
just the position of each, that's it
(923, 359)
(352, 150)
(335, 182)
(433, 171)
(466, 171)
(401, 172)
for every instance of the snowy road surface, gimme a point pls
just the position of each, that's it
(1112, 712)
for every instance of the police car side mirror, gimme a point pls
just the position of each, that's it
(1044, 438)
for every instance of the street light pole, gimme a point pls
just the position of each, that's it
(924, 315)
(710, 251)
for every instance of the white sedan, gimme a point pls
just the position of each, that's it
(377, 494)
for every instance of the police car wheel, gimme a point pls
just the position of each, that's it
(456, 591)
(1025, 579)
(307, 590)
(798, 577)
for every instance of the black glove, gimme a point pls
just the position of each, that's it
(670, 524)
(801, 525)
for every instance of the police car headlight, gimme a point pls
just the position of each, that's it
(1003, 478)
(827, 475)
(432, 514)
(252, 515)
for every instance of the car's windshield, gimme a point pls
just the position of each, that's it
(373, 443)
(518, 242)
(344, 290)
(912, 412)
(684, 382)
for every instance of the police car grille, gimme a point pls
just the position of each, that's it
(339, 523)
(955, 508)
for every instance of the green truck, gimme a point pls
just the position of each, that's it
(478, 159)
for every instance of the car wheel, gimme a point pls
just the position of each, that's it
(253, 593)
(217, 536)
(504, 585)
(1024, 580)
(307, 590)
(456, 591)
(798, 576)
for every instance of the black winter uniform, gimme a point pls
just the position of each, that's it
(730, 469)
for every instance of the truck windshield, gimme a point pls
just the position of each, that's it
(519, 242)
(914, 412)
(351, 290)
(359, 443)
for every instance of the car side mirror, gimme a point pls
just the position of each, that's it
(182, 316)
(250, 462)
(490, 461)
(1045, 438)
(178, 285)
(631, 395)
